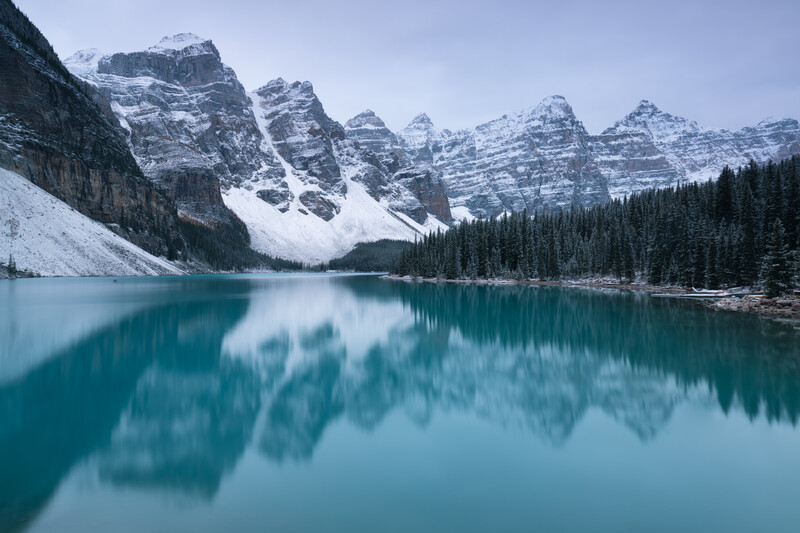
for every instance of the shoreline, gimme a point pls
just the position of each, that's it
(785, 308)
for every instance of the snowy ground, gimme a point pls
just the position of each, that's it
(48, 237)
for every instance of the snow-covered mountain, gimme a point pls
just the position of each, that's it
(274, 157)
(55, 133)
(543, 157)
(309, 189)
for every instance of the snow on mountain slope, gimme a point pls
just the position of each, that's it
(274, 157)
(543, 157)
(288, 229)
(535, 159)
(47, 237)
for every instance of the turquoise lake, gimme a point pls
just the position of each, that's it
(350, 403)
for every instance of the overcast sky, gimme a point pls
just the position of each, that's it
(726, 64)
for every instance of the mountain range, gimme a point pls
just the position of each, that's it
(173, 126)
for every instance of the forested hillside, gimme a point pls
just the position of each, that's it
(741, 229)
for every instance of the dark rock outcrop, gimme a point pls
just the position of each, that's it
(302, 133)
(188, 119)
(54, 133)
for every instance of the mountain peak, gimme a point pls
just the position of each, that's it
(646, 106)
(421, 121)
(178, 41)
(365, 119)
(84, 61)
(554, 106)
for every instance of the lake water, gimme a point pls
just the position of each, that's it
(350, 403)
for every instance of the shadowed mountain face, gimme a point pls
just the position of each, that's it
(187, 119)
(169, 396)
(273, 157)
(56, 132)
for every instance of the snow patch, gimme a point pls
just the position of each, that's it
(177, 42)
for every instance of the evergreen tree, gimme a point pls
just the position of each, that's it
(703, 234)
(777, 273)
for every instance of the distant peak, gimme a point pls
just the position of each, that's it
(84, 62)
(273, 86)
(87, 52)
(646, 106)
(278, 82)
(178, 42)
(279, 85)
(771, 121)
(366, 118)
(421, 121)
(555, 105)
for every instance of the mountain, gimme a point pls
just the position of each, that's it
(543, 157)
(167, 148)
(46, 236)
(680, 150)
(54, 133)
(186, 117)
(273, 157)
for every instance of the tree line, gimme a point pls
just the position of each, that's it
(741, 229)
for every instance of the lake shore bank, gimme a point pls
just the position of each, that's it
(785, 308)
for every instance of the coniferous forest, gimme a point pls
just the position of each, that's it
(740, 229)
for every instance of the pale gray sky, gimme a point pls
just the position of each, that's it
(726, 64)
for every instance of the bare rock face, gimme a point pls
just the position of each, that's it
(428, 188)
(388, 165)
(183, 59)
(280, 197)
(370, 132)
(301, 132)
(320, 205)
(188, 119)
(543, 158)
(54, 132)
(536, 159)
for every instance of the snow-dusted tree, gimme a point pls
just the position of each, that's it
(777, 270)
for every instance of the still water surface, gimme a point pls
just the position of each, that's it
(351, 403)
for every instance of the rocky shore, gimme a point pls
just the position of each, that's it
(785, 308)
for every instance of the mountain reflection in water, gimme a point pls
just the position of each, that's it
(170, 395)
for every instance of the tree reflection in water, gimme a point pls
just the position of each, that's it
(170, 397)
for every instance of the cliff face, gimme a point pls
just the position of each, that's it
(543, 157)
(389, 163)
(305, 189)
(536, 159)
(54, 133)
(187, 119)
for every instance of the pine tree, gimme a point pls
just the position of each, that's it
(777, 273)
(714, 233)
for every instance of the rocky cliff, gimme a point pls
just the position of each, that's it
(304, 189)
(543, 157)
(54, 133)
(187, 119)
